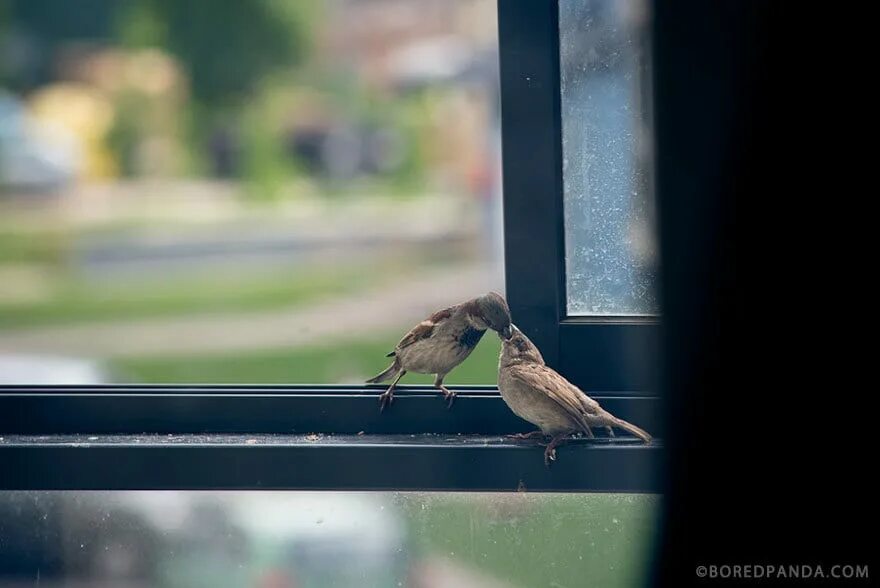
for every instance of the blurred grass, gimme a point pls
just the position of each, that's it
(345, 362)
(47, 246)
(530, 540)
(75, 301)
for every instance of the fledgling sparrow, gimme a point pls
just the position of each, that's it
(541, 396)
(443, 340)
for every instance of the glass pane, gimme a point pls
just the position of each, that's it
(610, 248)
(323, 540)
(276, 195)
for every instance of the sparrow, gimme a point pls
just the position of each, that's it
(442, 341)
(540, 395)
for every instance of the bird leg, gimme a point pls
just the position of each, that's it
(387, 397)
(448, 394)
(610, 431)
(521, 436)
(550, 452)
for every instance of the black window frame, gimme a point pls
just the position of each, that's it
(134, 437)
(604, 353)
(140, 437)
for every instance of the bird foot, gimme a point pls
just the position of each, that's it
(385, 399)
(448, 395)
(550, 451)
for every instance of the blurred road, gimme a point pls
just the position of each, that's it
(394, 306)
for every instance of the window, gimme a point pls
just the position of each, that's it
(206, 376)
(613, 348)
(328, 538)
(610, 248)
(212, 211)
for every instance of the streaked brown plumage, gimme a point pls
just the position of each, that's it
(443, 340)
(541, 396)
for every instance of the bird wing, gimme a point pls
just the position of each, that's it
(425, 329)
(546, 381)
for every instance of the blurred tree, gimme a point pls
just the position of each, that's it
(226, 46)
(33, 30)
(230, 51)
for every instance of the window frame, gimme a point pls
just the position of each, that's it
(276, 437)
(608, 353)
(142, 437)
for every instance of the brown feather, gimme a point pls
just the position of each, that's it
(441, 315)
(424, 329)
(545, 380)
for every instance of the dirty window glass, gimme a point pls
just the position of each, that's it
(276, 195)
(323, 540)
(610, 248)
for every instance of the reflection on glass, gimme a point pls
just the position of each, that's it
(323, 540)
(212, 203)
(610, 247)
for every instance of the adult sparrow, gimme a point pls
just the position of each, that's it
(443, 340)
(541, 396)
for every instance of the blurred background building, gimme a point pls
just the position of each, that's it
(213, 190)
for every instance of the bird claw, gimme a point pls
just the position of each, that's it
(385, 399)
(449, 396)
(550, 451)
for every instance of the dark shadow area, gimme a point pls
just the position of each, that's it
(766, 409)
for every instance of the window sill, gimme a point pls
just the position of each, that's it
(323, 462)
(302, 437)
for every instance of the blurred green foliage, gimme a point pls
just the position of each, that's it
(48, 246)
(334, 362)
(237, 57)
(126, 131)
(41, 26)
(230, 51)
(227, 47)
(265, 167)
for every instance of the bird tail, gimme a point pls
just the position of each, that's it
(391, 371)
(629, 428)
